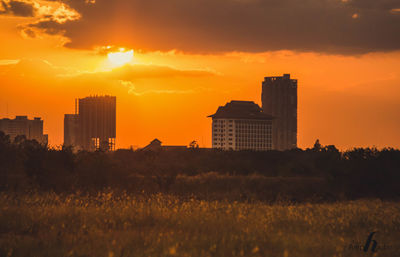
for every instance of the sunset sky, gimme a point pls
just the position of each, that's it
(171, 63)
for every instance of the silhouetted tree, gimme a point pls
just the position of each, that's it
(193, 144)
(360, 172)
(317, 146)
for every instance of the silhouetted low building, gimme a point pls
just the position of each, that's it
(22, 126)
(241, 125)
(156, 145)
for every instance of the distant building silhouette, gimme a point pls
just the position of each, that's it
(279, 99)
(22, 126)
(156, 145)
(71, 130)
(241, 125)
(94, 126)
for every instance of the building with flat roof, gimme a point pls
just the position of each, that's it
(156, 145)
(93, 126)
(241, 125)
(279, 99)
(22, 126)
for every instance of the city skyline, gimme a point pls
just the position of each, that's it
(194, 57)
(193, 136)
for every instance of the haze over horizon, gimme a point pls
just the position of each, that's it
(172, 63)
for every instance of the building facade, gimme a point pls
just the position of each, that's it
(241, 125)
(22, 126)
(279, 99)
(94, 126)
(71, 130)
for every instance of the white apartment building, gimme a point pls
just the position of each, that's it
(241, 125)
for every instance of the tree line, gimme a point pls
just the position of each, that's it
(357, 173)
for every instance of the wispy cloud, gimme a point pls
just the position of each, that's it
(130, 72)
(8, 62)
(395, 11)
(134, 91)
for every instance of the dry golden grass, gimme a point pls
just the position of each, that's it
(161, 225)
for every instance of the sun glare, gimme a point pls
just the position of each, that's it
(121, 57)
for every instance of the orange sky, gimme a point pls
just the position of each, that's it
(348, 100)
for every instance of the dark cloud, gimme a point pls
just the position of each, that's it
(209, 26)
(18, 8)
(375, 4)
(48, 26)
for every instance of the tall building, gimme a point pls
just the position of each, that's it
(94, 126)
(241, 125)
(71, 129)
(97, 122)
(22, 126)
(279, 99)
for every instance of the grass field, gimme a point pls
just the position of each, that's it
(162, 225)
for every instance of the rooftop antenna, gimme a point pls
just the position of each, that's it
(76, 106)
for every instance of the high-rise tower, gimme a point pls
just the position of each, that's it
(94, 126)
(97, 120)
(279, 99)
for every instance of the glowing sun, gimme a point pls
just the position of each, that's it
(121, 57)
